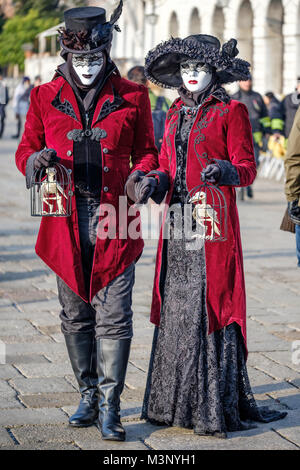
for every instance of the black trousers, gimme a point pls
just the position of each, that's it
(109, 314)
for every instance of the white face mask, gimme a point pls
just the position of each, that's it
(195, 75)
(87, 66)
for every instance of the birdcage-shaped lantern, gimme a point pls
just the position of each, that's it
(51, 192)
(209, 212)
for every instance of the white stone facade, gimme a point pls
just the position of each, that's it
(268, 33)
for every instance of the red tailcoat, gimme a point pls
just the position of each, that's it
(221, 131)
(123, 112)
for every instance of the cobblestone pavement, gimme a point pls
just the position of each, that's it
(37, 388)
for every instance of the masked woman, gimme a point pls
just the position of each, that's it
(197, 375)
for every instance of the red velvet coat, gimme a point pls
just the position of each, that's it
(221, 131)
(123, 111)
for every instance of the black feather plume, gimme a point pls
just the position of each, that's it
(116, 13)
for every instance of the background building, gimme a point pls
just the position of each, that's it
(268, 33)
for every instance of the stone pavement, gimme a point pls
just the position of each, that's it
(37, 388)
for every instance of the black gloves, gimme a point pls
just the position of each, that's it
(139, 188)
(144, 189)
(294, 211)
(162, 186)
(211, 173)
(44, 158)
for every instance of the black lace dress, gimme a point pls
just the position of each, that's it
(196, 380)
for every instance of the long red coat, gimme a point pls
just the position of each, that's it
(221, 131)
(123, 112)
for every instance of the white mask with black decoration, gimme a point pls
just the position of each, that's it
(196, 76)
(87, 66)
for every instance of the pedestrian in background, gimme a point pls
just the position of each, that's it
(3, 103)
(276, 142)
(292, 182)
(37, 81)
(275, 111)
(21, 104)
(290, 106)
(159, 104)
(259, 119)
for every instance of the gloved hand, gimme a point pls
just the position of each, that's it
(139, 188)
(211, 173)
(144, 189)
(45, 158)
(162, 185)
(294, 211)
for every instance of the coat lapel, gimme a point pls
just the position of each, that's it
(66, 103)
(109, 102)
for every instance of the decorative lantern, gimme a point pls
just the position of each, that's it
(209, 212)
(50, 192)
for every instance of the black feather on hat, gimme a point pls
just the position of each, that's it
(162, 64)
(87, 30)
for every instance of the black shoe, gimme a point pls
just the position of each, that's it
(15, 136)
(112, 360)
(82, 353)
(86, 414)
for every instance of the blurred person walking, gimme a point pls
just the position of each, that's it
(276, 142)
(159, 104)
(259, 119)
(290, 105)
(21, 101)
(275, 111)
(3, 102)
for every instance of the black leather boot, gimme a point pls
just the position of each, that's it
(112, 360)
(82, 353)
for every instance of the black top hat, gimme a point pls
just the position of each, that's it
(86, 29)
(84, 19)
(162, 64)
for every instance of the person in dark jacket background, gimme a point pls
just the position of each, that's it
(259, 118)
(275, 111)
(290, 106)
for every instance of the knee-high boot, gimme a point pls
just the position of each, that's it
(82, 353)
(112, 360)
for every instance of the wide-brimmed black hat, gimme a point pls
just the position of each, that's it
(162, 64)
(86, 29)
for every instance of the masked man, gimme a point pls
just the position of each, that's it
(100, 127)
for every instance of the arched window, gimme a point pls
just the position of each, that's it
(274, 46)
(218, 23)
(174, 25)
(244, 31)
(195, 22)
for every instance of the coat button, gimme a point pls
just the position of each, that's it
(105, 189)
(105, 150)
(106, 169)
(69, 153)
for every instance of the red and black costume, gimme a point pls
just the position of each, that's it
(104, 134)
(197, 375)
